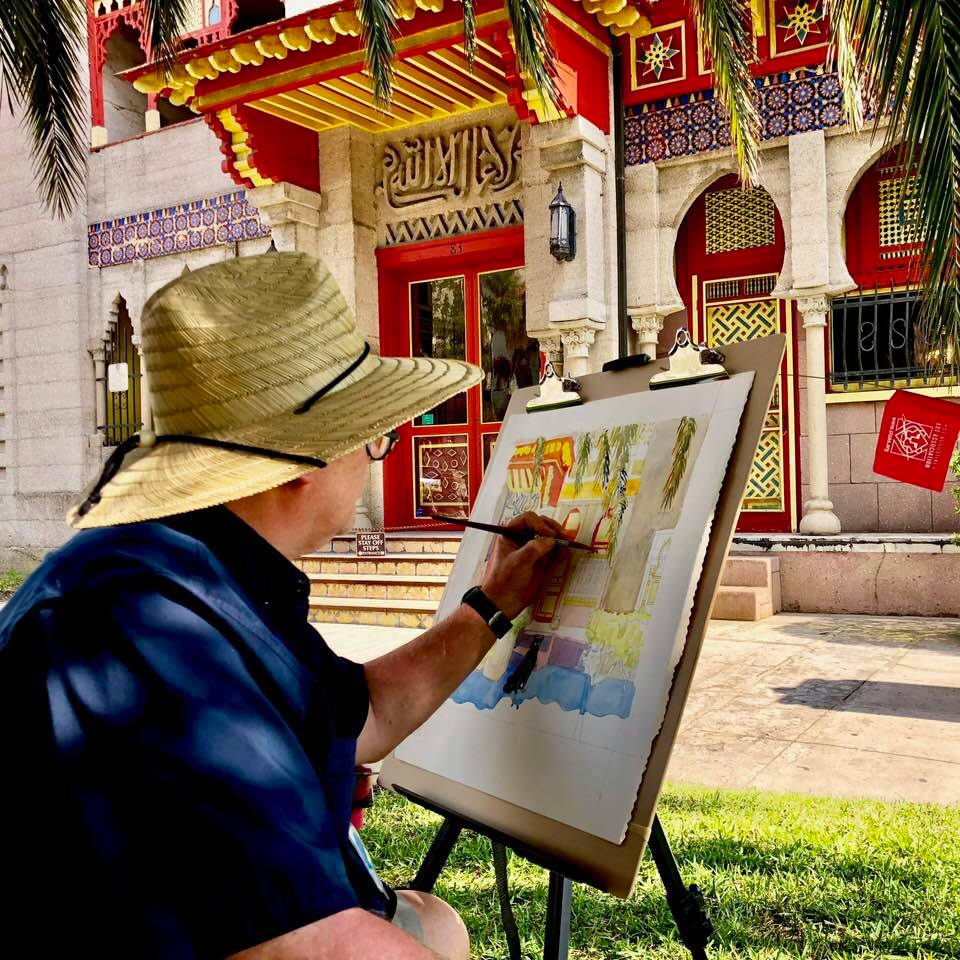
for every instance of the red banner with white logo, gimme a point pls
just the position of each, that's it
(918, 435)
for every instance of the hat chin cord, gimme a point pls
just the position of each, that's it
(148, 439)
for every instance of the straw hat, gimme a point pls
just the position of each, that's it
(257, 375)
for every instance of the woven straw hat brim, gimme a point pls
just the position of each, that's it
(177, 477)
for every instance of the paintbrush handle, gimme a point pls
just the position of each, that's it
(511, 533)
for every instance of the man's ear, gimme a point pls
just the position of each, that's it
(298, 483)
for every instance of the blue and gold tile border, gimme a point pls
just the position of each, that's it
(788, 103)
(213, 221)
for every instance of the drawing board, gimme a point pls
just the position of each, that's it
(560, 738)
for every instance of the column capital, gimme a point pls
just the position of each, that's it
(577, 342)
(814, 310)
(647, 325)
(550, 344)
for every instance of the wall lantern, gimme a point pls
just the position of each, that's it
(563, 227)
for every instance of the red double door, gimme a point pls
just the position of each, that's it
(459, 298)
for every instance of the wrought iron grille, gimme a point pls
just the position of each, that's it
(122, 408)
(874, 341)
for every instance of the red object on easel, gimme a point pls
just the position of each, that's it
(918, 435)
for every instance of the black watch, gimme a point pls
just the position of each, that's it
(495, 618)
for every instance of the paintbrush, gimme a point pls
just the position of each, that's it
(511, 533)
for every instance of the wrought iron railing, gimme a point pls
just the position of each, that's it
(875, 342)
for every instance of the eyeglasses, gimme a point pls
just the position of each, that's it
(378, 449)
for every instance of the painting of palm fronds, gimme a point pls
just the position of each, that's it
(681, 454)
(584, 447)
(538, 451)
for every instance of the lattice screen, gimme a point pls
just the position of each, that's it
(897, 222)
(740, 220)
(734, 323)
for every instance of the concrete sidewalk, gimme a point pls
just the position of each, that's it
(836, 705)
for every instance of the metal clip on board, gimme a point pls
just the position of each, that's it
(555, 393)
(689, 363)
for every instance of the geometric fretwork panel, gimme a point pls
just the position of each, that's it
(897, 220)
(740, 220)
(746, 320)
(734, 323)
(765, 487)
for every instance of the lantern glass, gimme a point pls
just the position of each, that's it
(563, 232)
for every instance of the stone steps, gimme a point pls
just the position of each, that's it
(749, 589)
(404, 587)
(400, 589)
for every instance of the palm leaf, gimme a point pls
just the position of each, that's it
(379, 21)
(907, 58)
(41, 73)
(469, 30)
(686, 431)
(724, 28)
(531, 40)
(164, 22)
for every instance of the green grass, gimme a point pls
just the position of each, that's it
(10, 580)
(784, 876)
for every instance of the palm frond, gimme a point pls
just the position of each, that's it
(469, 30)
(843, 58)
(724, 27)
(909, 66)
(531, 40)
(41, 72)
(164, 22)
(379, 21)
(686, 431)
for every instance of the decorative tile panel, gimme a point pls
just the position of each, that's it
(740, 220)
(211, 222)
(788, 103)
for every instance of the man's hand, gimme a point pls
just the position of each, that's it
(515, 573)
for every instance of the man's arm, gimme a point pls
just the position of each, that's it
(351, 934)
(407, 685)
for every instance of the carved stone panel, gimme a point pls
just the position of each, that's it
(466, 167)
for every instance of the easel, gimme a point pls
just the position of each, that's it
(570, 855)
(686, 903)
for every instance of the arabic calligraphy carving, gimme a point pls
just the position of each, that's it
(462, 165)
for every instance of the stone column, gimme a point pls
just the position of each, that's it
(569, 299)
(818, 516)
(576, 351)
(146, 403)
(647, 327)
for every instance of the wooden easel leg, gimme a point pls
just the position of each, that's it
(686, 903)
(437, 856)
(556, 939)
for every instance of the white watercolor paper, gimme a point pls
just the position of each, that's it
(560, 716)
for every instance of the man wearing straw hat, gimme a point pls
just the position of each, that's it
(180, 744)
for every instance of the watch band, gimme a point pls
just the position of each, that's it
(495, 618)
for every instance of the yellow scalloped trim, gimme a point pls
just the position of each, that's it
(241, 150)
(618, 15)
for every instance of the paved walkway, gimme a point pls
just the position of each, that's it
(845, 706)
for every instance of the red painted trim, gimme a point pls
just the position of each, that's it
(398, 267)
(693, 260)
(862, 235)
(696, 82)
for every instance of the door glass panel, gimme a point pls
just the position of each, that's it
(441, 475)
(510, 359)
(438, 330)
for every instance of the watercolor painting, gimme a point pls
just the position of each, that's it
(560, 715)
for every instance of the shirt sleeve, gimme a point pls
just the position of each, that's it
(198, 792)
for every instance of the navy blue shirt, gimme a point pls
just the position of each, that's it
(179, 748)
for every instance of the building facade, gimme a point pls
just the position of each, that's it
(434, 215)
